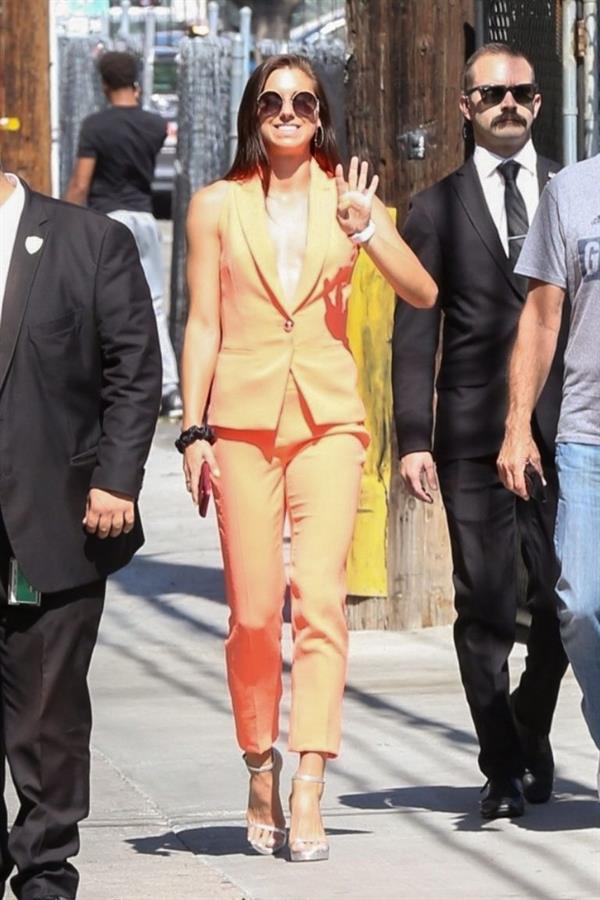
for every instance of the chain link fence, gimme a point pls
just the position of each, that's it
(534, 26)
(204, 88)
(80, 94)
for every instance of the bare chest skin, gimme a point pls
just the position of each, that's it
(287, 218)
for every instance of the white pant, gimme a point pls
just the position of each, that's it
(147, 237)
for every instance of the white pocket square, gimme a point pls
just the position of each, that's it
(33, 243)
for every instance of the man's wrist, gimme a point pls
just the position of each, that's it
(518, 422)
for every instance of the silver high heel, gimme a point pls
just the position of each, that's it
(279, 842)
(308, 849)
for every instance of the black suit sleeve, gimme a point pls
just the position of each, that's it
(131, 366)
(415, 341)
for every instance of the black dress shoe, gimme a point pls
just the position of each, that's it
(503, 799)
(539, 777)
(539, 762)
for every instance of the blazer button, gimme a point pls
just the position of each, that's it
(288, 325)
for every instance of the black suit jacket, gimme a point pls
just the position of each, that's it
(451, 230)
(80, 383)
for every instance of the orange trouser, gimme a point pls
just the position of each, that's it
(312, 473)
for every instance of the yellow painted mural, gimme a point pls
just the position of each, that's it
(370, 323)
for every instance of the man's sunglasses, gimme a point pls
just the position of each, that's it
(304, 104)
(493, 94)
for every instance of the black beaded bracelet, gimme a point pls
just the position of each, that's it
(195, 433)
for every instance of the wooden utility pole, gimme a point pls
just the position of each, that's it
(405, 71)
(405, 74)
(25, 89)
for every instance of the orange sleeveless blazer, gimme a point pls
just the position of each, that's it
(261, 340)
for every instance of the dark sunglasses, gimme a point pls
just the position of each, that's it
(493, 94)
(304, 104)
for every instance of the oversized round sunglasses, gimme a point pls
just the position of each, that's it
(304, 104)
(493, 94)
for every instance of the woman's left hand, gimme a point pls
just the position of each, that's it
(355, 199)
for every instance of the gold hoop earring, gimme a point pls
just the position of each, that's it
(319, 137)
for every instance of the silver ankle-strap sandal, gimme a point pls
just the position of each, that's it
(279, 834)
(308, 849)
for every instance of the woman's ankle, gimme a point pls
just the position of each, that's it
(312, 764)
(258, 760)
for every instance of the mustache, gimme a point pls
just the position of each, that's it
(509, 117)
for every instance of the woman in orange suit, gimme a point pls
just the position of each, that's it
(271, 252)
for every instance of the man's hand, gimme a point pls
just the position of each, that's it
(518, 448)
(418, 472)
(108, 513)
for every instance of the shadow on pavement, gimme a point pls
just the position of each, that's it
(561, 814)
(150, 576)
(159, 577)
(210, 840)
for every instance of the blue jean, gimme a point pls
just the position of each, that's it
(577, 541)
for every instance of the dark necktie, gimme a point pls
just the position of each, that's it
(516, 211)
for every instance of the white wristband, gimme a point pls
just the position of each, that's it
(361, 237)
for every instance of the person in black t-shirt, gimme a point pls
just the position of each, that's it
(117, 152)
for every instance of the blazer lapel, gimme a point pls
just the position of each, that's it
(250, 204)
(322, 204)
(21, 274)
(322, 201)
(470, 193)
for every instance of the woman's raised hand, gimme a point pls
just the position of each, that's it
(355, 199)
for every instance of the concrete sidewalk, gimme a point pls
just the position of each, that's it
(169, 784)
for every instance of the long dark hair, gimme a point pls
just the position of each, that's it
(251, 157)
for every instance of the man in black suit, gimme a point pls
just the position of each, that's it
(80, 386)
(467, 230)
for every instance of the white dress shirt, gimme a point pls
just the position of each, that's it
(10, 216)
(492, 183)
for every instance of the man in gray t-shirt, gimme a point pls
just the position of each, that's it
(561, 256)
